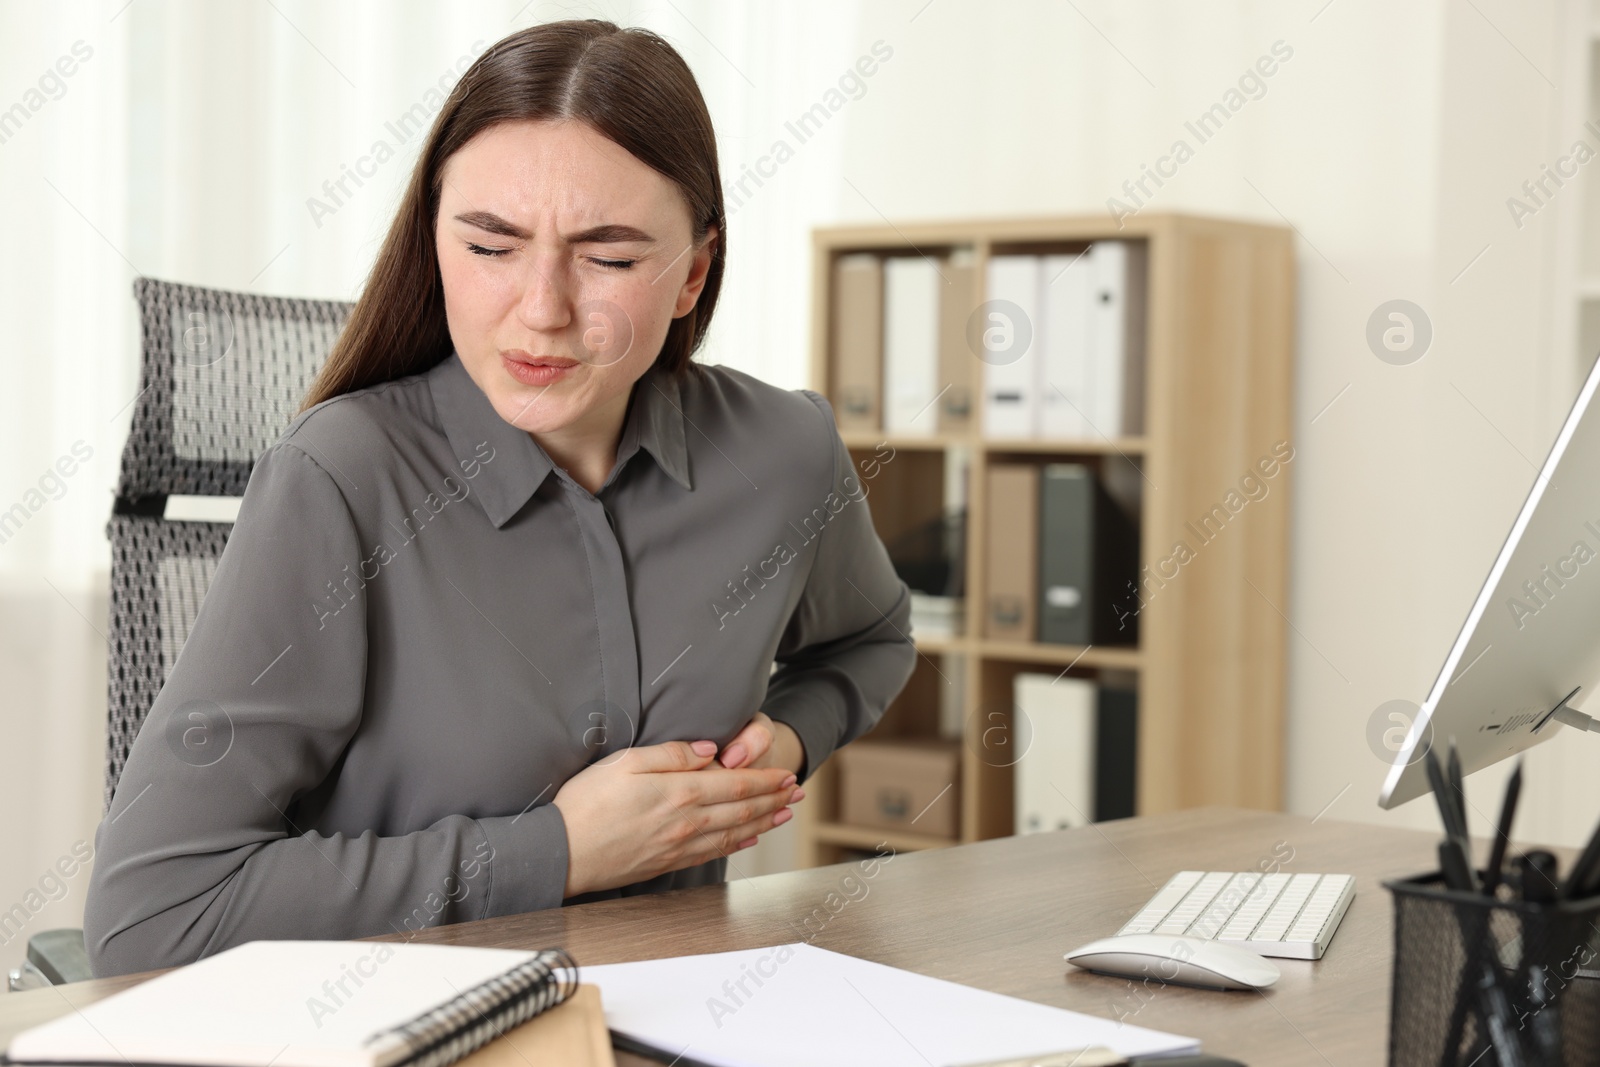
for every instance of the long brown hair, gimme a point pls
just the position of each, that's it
(631, 86)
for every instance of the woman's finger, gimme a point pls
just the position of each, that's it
(716, 785)
(741, 836)
(735, 813)
(749, 744)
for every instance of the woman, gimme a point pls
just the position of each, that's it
(495, 627)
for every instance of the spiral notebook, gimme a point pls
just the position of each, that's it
(311, 1004)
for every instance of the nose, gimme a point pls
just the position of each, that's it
(546, 302)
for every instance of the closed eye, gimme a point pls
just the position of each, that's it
(610, 264)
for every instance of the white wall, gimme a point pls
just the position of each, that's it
(188, 145)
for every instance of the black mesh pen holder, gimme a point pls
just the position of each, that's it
(1467, 965)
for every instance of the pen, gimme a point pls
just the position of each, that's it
(1485, 984)
(1440, 791)
(1538, 877)
(1458, 800)
(1458, 791)
(1493, 1003)
(1456, 869)
(1497, 1016)
(1456, 876)
(1546, 1026)
(1502, 836)
(1453, 863)
(624, 1043)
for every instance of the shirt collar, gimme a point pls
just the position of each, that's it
(518, 466)
(655, 423)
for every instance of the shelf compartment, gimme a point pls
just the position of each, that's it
(863, 440)
(869, 838)
(1110, 657)
(936, 646)
(1125, 446)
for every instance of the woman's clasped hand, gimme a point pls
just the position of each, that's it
(645, 811)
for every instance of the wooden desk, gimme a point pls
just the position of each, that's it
(1000, 914)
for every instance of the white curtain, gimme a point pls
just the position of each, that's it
(206, 142)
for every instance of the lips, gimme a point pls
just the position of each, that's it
(539, 371)
(558, 362)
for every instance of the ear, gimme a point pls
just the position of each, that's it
(699, 268)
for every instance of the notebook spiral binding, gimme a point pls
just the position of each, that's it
(484, 1012)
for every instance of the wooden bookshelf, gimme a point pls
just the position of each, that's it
(1210, 665)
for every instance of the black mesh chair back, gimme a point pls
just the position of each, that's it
(221, 376)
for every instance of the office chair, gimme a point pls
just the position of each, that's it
(221, 375)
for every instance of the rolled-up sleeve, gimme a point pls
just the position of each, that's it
(846, 651)
(199, 850)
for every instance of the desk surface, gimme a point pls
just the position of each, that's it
(1000, 914)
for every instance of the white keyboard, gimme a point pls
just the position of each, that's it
(1287, 915)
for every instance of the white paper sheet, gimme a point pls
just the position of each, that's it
(799, 1006)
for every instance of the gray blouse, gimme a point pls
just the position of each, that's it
(421, 628)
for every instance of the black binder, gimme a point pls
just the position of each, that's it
(1088, 555)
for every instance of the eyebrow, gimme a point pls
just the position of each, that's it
(607, 233)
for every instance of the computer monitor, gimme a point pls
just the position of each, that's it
(1529, 653)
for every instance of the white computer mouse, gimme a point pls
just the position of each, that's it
(1180, 960)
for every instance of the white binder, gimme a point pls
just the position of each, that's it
(910, 344)
(1055, 733)
(1108, 320)
(1066, 386)
(1010, 370)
